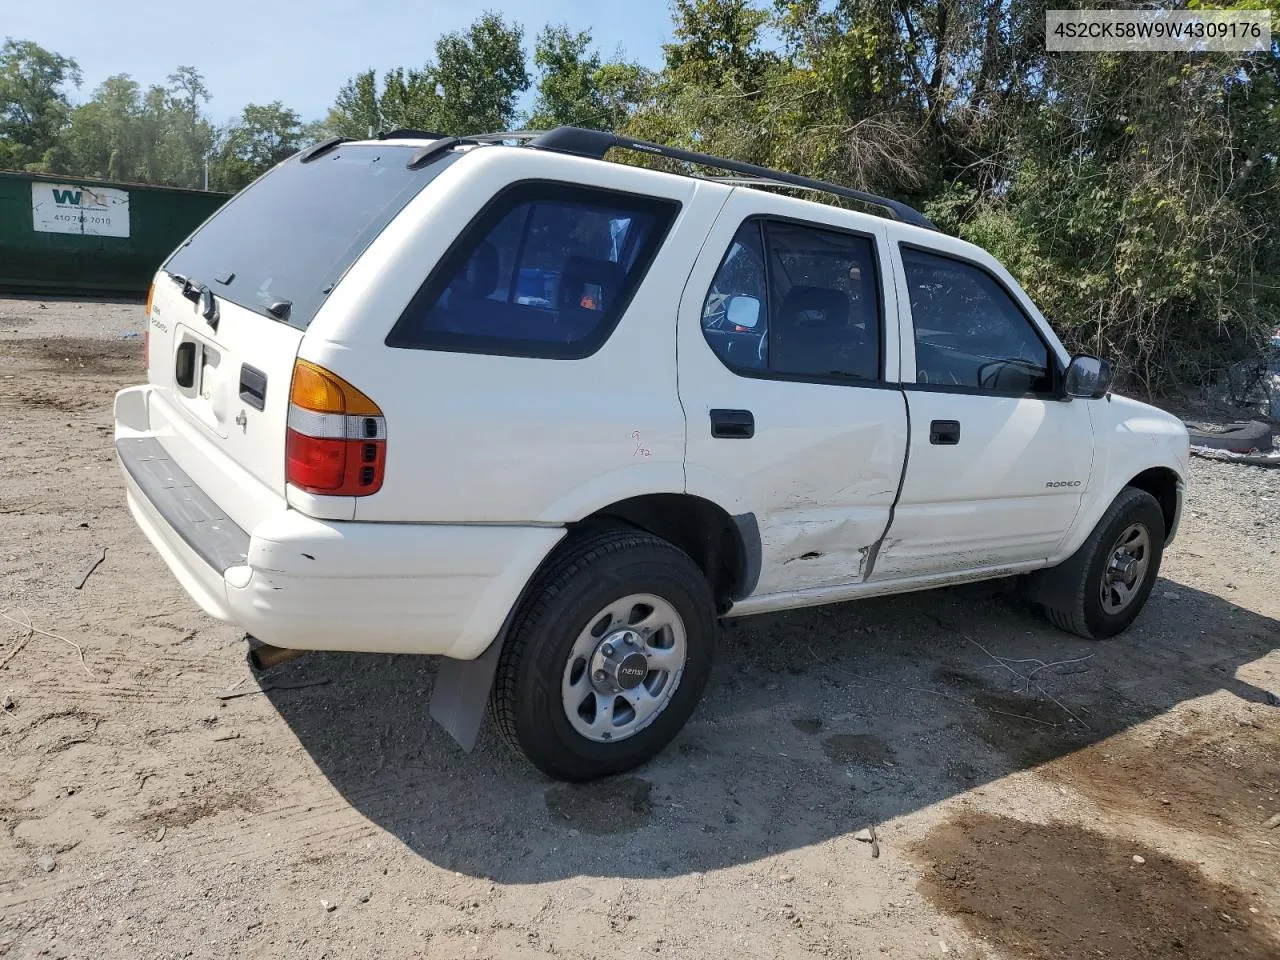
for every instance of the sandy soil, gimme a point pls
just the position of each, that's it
(157, 802)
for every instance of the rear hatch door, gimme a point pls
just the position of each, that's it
(231, 306)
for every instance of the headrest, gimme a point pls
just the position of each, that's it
(816, 307)
(589, 284)
(479, 277)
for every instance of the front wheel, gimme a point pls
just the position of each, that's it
(1104, 585)
(608, 655)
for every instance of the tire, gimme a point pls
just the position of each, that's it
(1072, 592)
(563, 609)
(1237, 437)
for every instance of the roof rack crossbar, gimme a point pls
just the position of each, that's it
(596, 143)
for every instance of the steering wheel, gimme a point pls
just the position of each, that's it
(987, 376)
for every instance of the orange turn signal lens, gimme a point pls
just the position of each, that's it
(315, 388)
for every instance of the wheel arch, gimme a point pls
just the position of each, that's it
(1164, 484)
(725, 547)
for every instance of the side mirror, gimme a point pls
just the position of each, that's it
(743, 312)
(1088, 377)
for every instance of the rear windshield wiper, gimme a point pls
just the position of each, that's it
(280, 309)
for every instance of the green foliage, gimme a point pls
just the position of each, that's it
(260, 138)
(122, 132)
(33, 102)
(470, 87)
(576, 88)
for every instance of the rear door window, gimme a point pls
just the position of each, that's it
(796, 302)
(291, 235)
(546, 270)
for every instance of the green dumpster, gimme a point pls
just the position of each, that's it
(78, 236)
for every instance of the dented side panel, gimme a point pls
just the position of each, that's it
(822, 470)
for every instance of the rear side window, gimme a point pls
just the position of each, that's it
(546, 270)
(291, 235)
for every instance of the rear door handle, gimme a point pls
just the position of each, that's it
(253, 386)
(733, 424)
(944, 433)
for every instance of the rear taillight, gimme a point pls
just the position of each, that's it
(336, 441)
(146, 330)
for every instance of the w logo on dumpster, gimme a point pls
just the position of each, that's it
(79, 208)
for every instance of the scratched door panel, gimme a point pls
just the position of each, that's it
(820, 472)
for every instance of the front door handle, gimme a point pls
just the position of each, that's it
(944, 433)
(733, 424)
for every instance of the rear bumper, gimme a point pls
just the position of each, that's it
(298, 582)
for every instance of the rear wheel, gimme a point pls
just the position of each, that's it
(607, 657)
(1103, 587)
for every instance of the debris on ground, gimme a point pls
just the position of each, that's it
(93, 565)
(1269, 459)
(46, 863)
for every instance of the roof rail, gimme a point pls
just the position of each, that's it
(321, 148)
(596, 143)
(410, 133)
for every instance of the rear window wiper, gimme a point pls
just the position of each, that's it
(280, 309)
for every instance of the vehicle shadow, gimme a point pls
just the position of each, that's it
(815, 723)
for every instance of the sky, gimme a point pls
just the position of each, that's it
(257, 51)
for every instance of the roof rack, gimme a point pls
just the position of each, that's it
(596, 143)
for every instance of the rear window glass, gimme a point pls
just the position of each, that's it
(291, 235)
(546, 270)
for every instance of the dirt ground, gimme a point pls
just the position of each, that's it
(1032, 794)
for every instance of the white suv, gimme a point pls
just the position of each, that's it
(550, 417)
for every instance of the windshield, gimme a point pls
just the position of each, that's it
(291, 235)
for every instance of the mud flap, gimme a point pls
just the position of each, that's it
(461, 693)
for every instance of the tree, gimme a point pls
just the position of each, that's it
(186, 135)
(34, 107)
(105, 133)
(714, 86)
(470, 87)
(122, 132)
(260, 138)
(478, 74)
(576, 88)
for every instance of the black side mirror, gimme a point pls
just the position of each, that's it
(1088, 377)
